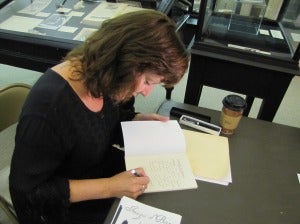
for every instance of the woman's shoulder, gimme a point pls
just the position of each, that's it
(48, 92)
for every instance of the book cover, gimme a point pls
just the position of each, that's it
(134, 212)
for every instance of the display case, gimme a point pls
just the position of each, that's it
(37, 34)
(247, 16)
(255, 29)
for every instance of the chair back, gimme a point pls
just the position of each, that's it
(12, 98)
(7, 139)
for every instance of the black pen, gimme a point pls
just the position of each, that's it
(62, 4)
(135, 173)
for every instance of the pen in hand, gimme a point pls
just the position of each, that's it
(135, 173)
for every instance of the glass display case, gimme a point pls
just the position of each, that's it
(37, 34)
(290, 26)
(266, 29)
(246, 16)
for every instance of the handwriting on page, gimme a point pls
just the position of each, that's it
(165, 173)
(134, 212)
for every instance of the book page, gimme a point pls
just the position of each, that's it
(208, 156)
(166, 172)
(152, 137)
(133, 212)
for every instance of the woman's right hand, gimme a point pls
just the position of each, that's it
(128, 184)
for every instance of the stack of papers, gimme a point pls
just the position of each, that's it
(209, 157)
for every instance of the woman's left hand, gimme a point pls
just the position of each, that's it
(150, 117)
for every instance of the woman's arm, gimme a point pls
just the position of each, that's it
(123, 184)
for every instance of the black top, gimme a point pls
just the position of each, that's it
(59, 138)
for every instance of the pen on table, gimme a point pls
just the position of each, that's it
(62, 4)
(135, 173)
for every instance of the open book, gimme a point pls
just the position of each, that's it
(158, 147)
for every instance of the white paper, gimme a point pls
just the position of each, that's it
(68, 29)
(13, 23)
(84, 34)
(43, 14)
(264, 32)
(104, 11)
(151, 137)
(276, 34)
(298, 177)
(296, 37)
(63, 10)
(35, 7)
(76, 14)
(133, 212)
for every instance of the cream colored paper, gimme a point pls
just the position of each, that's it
(208, 156)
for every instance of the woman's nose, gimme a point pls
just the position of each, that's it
(147, 90)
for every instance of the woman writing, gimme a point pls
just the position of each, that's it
(64, 168)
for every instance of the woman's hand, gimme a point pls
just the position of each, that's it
(149, 117)
(128, 184)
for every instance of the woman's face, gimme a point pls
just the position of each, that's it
(146, 83)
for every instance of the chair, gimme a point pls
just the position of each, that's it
(12, 98)
(5, 200)
(7, 139)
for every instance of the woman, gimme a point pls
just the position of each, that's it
(64, 168)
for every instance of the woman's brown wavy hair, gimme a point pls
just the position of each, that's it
(127, 46)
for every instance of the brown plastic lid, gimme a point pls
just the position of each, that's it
(234, 102)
